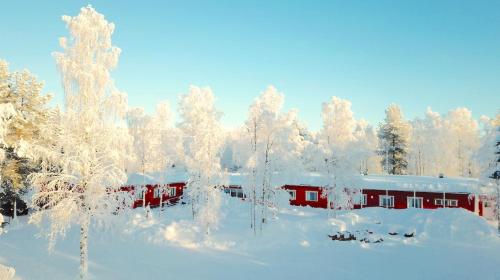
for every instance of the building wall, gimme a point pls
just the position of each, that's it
(153, 201)
(300, 199)
(464, 200)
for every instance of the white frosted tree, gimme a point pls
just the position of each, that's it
(363, 149)
(428, 146)
(270, 142)
(488, 155)
(260, 131)
(82, 172)
(202, 142)
(462, 138)
(145, 138)
(167, 149)
(336, 142)
(394, 134)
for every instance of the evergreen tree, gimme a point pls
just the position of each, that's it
(22, 92)
(496, 171)
(393, 141)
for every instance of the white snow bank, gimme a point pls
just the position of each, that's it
(6, 273)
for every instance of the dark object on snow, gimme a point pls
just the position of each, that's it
(408, 235)
(7, 208)
(441, 175)
(343, 236)
(393, 233)
(366, 240)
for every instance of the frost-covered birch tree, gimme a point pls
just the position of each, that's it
(81, 174)
(270, 142)
(336, 140)
(202, 141)
(145, 138)
(168, 145)
(462, 139)
(363, 149)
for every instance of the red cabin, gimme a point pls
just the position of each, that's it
(302, 195)
(398, 199)
(156, 195)
(314, 196)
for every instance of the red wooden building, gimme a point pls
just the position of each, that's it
(314, 196)
(156, 195)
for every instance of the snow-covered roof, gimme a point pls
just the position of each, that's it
(421, 183)
(156, 178)
(383, 182)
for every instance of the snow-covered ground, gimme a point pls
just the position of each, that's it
(448, 244)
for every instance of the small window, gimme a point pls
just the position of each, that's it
(293, 194)
(438, 201)
(486, 204)
(387, 201)
(452, 202)
(415, 202)
(140, 194)
(364, 199)
(311, 196)
(172, 192)
(157, 193)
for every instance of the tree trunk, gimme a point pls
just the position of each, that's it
(498, 206)
(14, 215)
(160, 190)
(84, 234)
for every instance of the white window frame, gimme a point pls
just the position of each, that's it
(293, 194)
(172, 191)
(364, 199)
(140, 194)
(411, 198)
(307, 195)
(449, 201)
(156, 193)
(438, 201)
(391, 199)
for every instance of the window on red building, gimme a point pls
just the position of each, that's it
(311, 196)
(387, 201)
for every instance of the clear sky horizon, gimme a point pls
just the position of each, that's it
(442, 54)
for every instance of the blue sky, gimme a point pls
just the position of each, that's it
(443, 54)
